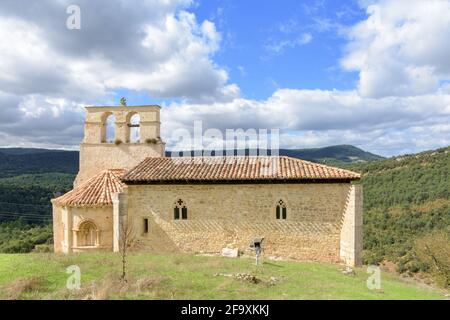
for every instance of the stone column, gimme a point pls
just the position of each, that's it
(74, 238)
(68, 230)
(120, 213)
(351, 231)
(122, 131)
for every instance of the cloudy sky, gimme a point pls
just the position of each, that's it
(372, 73)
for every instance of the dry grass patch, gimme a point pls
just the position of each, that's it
(17, 288)
(112, 287)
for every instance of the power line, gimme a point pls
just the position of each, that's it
(28, 205)
(25, 213)
(18, 215)
(7, 219)
(25, 218)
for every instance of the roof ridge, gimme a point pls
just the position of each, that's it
(232, 168)
(96, 191)
(261, 157)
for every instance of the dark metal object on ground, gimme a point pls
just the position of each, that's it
(256, 244)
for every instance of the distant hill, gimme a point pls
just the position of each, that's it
(334, 155)
(29, 178)
(17, 161)
(22, 151)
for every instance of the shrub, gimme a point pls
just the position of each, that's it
(117, 142)
(151, 141)
(433, 250)
(372, 257)
(18, 237)
(43, 248)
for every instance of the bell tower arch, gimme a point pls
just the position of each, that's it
(98, 151)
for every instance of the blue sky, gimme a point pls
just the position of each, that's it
(371, 73)
(251, 28)
(259, 49)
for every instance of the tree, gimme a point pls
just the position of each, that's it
(126, 241)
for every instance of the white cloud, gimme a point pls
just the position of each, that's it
(309, 118)
(401, 48)
(44, 121)
(279, 46)
(47, 73)
(187, 71)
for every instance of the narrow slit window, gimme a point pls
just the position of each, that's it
(184, 213)
(176, 213)
(145, 225)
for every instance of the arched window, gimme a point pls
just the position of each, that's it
(281, 211)
(87, 235)
(180, 210)
(108, 127)
(134, 127)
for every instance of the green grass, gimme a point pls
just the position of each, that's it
(170, 276)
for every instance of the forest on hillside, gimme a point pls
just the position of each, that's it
(406, 200)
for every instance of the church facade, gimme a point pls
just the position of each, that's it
(303, 210)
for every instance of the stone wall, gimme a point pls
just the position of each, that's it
(103, 219)
(58, 229)
(66, 222)
(97, 157)
(351, 232)
(231, 215)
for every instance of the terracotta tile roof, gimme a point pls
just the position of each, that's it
(97, 191)
(165, 169)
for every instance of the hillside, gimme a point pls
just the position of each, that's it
(23, 151)
(406, 179)
(335, 155)
(29, 178)
(405, 197)
(16, 161)
(28, 195)
(178, 276)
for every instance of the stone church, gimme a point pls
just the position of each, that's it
(304, 210)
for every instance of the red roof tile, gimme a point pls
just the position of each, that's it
(97, 191)
(164, 169)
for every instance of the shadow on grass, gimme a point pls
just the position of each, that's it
(273, 264)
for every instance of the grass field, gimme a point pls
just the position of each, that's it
(170, 276)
